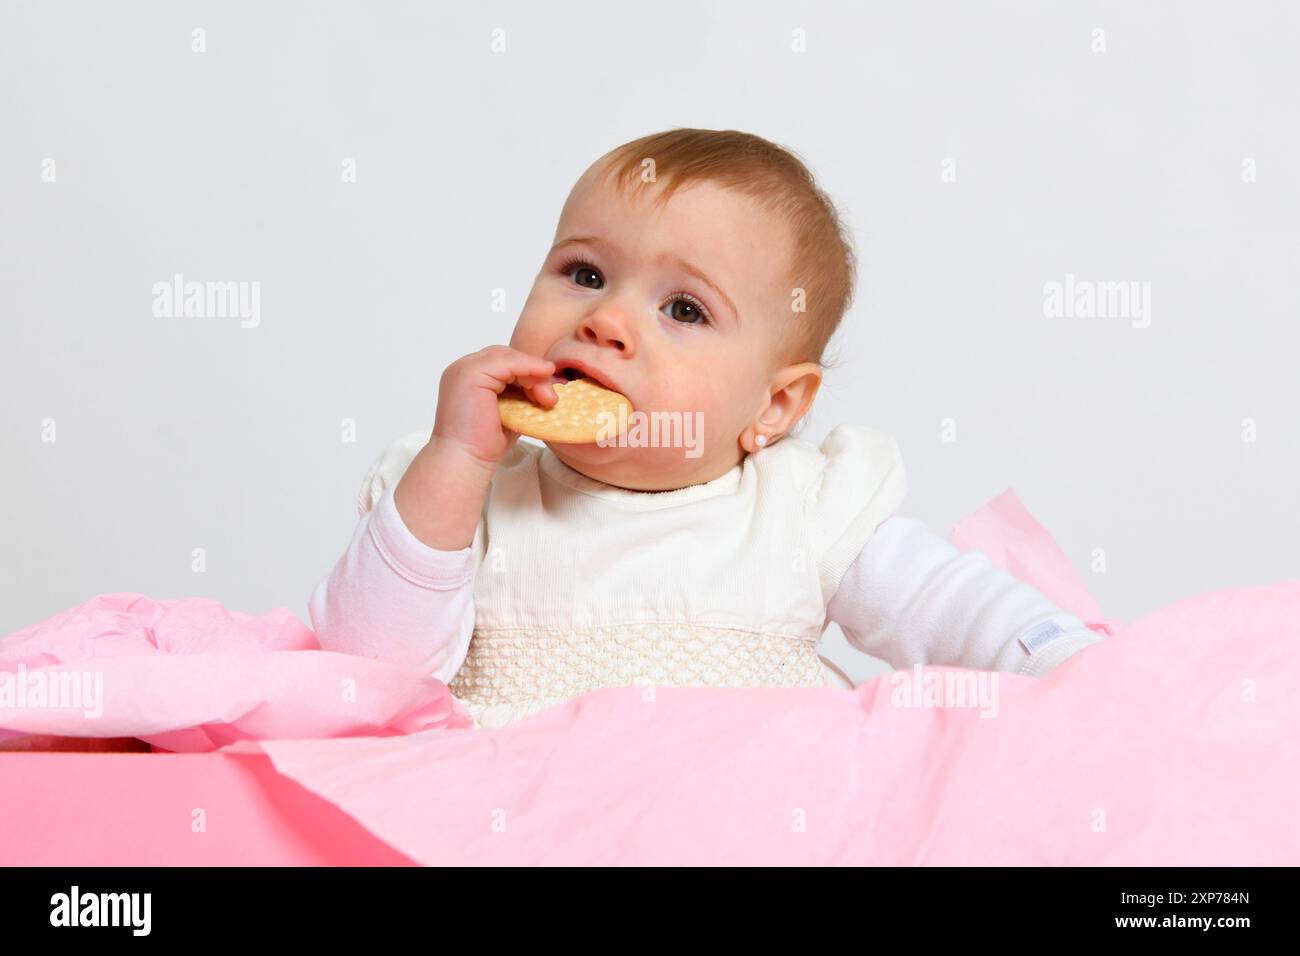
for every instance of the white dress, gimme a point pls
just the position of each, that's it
(572, 585)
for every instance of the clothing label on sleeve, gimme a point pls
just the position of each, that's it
(1044, 633)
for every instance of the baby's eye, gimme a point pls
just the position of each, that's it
(687, 309)
(583, 274)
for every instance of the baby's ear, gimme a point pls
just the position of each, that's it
(799, 427)
(794, 389)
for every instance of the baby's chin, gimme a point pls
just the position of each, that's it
(593, 456)
(636, 469)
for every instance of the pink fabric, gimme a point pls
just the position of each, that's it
(190, 675)
(214, 809)
(1169, 743)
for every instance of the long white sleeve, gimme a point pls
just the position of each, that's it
(392, 597)
(911, 597)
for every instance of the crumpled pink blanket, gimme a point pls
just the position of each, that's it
(190, 676)
(1172, 742)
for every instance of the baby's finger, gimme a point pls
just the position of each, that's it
(536, 384)
(543, 394)
(537, 389)
(506, 365)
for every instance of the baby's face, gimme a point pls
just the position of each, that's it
(679, 309)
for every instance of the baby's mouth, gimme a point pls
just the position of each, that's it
(566, 375)
(571, 373)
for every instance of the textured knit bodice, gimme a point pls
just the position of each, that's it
(512, 672)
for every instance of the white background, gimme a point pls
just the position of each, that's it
(175, 434)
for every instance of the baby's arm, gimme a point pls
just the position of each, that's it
(404, 590)
(912, 597)
(392, 597)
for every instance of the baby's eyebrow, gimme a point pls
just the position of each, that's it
(678, 261)
(687, 267)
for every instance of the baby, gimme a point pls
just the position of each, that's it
(699, 272)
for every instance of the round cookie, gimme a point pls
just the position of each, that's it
(574, 419)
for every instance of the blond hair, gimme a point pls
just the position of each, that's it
(824, 265)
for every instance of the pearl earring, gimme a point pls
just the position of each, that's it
(760, 440)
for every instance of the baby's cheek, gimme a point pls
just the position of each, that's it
(694, 397)
(710, 409)
(713, 418)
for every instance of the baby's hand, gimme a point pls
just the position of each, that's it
(468, 417)
(442, 493)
